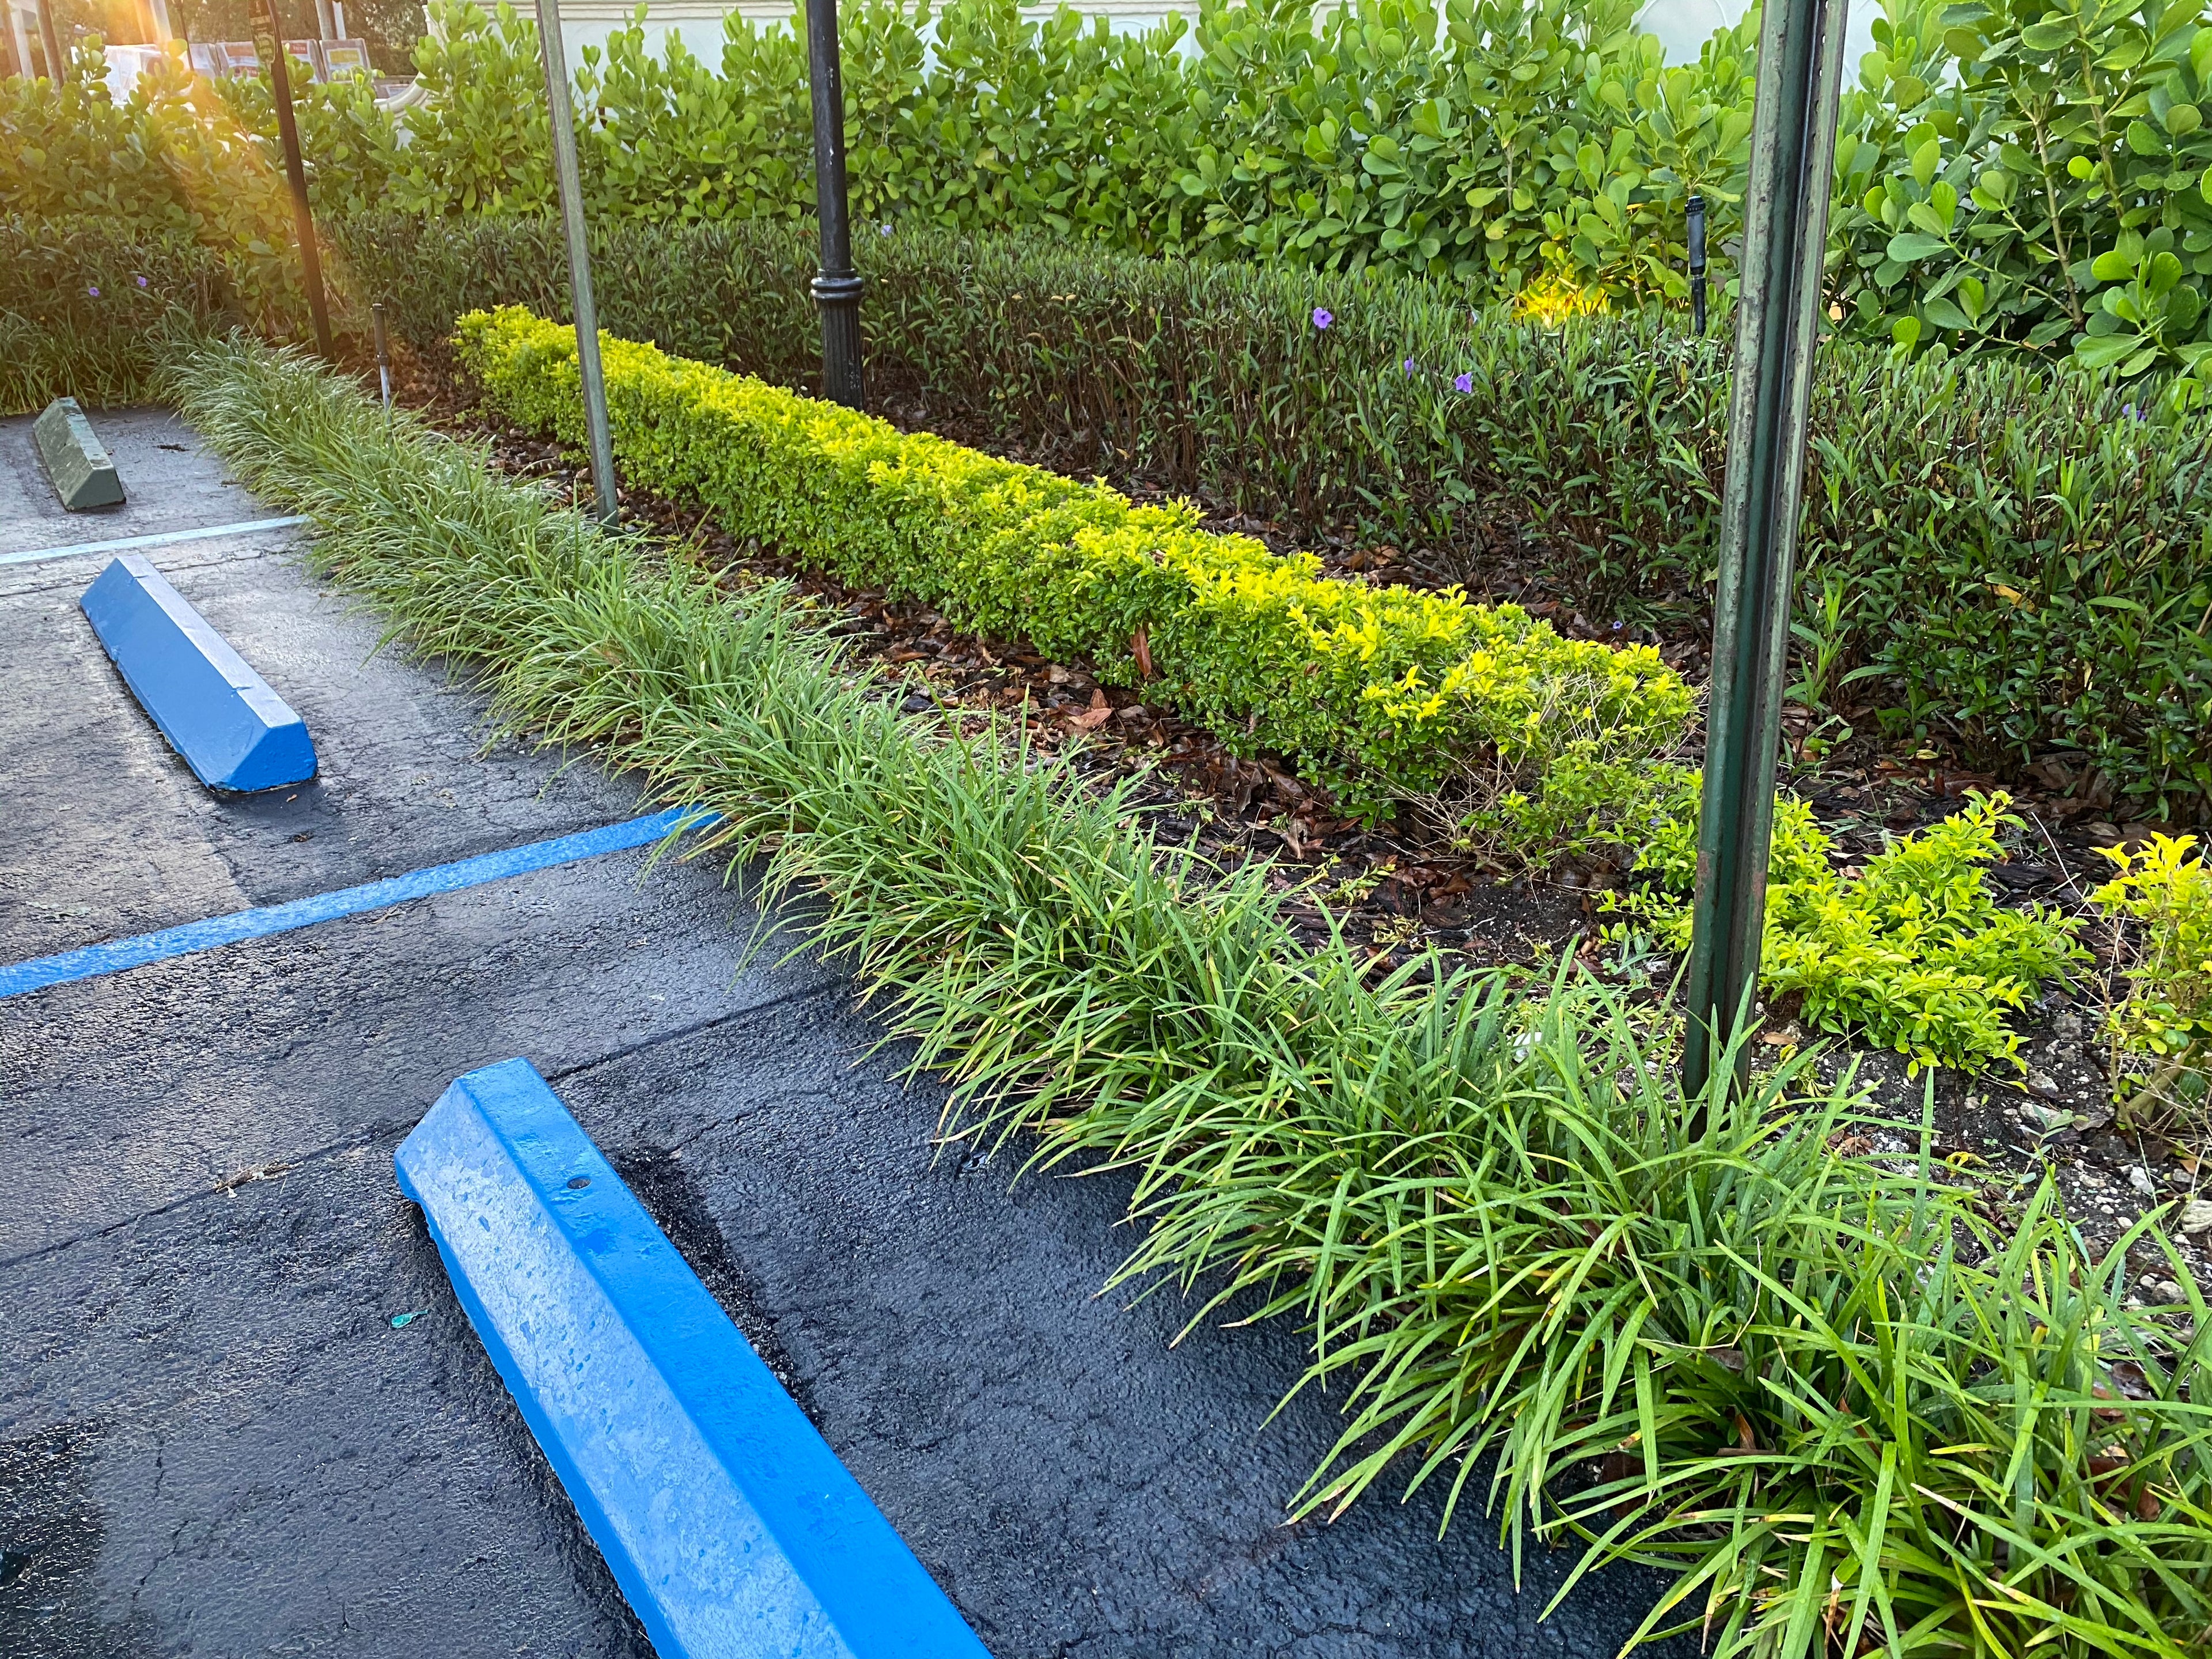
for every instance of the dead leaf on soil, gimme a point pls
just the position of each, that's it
(1094, 716)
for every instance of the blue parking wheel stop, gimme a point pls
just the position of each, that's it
(730, 1524)
(233, 730)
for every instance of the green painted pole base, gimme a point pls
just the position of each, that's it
(1785, 238)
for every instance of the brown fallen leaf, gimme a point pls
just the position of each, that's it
(1094, 716)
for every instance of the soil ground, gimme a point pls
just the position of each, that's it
(213, 1438)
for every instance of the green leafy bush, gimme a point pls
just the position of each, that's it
(2016, 175)
(2021, 173)
(1378, 690)
(1511, 145)
(1838, 1402)
(188, 157)
(480, 141)
(1913, 948)
(2162, 1029)
(2037, 179)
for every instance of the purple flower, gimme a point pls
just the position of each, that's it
(93, 291)
(1409, 365)
(141, 282)
(1464, 383)
(885, 228)
(1322, 319)
(2132, 412)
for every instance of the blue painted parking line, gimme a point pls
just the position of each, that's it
(118, 955)
(227, 722)
(163, 538)
(731, 1526)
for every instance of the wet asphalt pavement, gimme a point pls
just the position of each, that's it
(212, 1439)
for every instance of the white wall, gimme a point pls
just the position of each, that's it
(699, 23)
(1683, 25)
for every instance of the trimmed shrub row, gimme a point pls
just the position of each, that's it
(1376, 690)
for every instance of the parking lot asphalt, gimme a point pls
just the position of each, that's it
(213, 1438)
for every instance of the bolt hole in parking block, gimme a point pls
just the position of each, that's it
(731, 1526)
(233, 731)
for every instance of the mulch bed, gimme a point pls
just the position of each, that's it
(1397, 890)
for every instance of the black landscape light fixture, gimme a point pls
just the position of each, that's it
(1801, 50)
(563, 117)
(1696, 209)
(295, 174)
(836, 286)
(383, 354)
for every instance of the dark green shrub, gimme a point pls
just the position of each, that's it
(2021, 555)
(86, 311)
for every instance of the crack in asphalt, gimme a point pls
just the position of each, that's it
(645, 1045)
(228, 1184)
(13, 590)
(277, 1170)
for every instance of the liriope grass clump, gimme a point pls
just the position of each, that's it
(1849, 1410)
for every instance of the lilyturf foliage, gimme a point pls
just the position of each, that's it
(1851, 1410)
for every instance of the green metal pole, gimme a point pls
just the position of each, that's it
(1793, 150)
(570, 190)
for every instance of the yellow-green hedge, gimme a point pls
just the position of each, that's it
(1379, 691)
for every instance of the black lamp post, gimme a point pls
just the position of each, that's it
(1800, 51)
(1696, 209)
(296, 173)
(836, 286)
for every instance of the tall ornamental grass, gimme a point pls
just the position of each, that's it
(1852, 1410)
